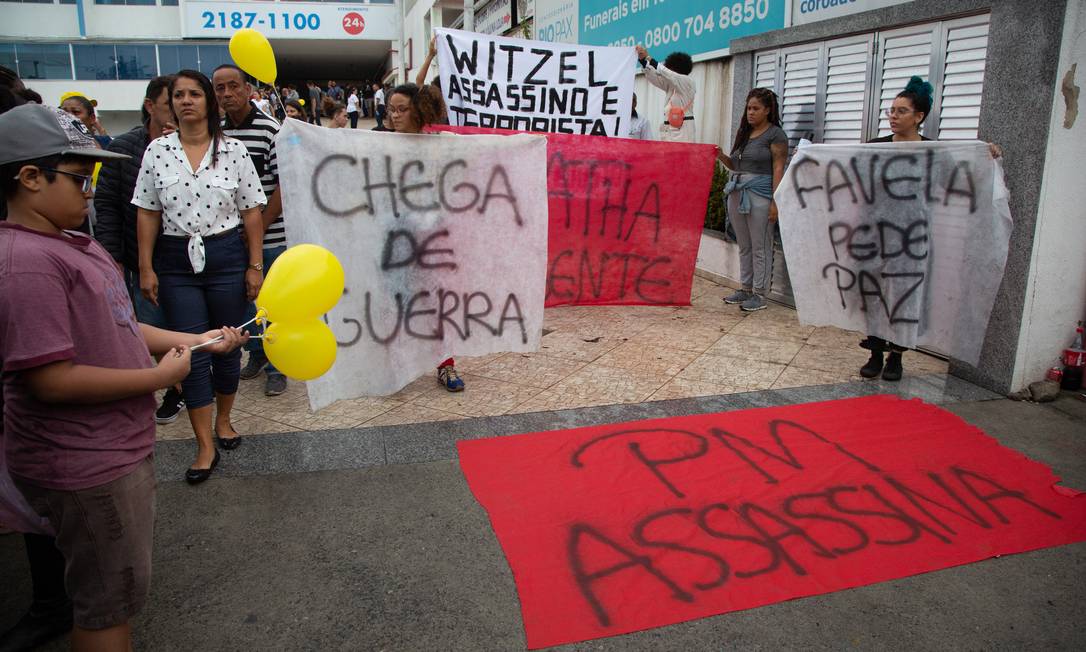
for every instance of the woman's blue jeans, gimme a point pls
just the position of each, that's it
(196, 303)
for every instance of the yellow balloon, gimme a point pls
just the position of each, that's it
(306, 281)
(301, 102)
(302, 350)
(253, 54)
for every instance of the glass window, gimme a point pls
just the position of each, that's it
(135, 61)
(109, 2)
(213, 56)
(44, 61)
(172, 58)
(7, 56)
(67, 2)
(125, 2)
(169, 3)
(95, 62)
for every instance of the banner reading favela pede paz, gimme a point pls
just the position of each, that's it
(442, 241)
(508, 83)
(903, 241)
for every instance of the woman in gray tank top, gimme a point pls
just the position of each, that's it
(757, 162)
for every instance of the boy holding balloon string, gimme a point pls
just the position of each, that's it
(78, 377)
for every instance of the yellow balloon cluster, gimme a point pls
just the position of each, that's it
(252, 52)
(305, 282)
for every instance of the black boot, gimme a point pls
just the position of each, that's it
(893, 368)
(873, 366)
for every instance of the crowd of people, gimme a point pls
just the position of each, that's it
(187, 219)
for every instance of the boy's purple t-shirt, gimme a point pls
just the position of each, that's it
(62, 298)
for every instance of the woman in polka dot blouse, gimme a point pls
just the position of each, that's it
(196, 187)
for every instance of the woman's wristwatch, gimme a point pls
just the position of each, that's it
(257, 266)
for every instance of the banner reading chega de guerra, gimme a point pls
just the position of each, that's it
(442, 241)
(507, 83)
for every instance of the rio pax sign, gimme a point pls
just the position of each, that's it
(696, 27)
(291, 20)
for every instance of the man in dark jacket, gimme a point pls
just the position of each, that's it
(116, 214)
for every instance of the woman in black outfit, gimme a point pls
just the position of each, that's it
(906, 114)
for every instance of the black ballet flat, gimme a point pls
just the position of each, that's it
(228, 443)
(196, 476)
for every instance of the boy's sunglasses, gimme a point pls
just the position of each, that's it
(87, 180)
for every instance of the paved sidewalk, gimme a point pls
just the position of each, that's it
(596, 356)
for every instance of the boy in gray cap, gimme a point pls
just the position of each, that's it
(78, 377)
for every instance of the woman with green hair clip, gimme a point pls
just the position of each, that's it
(908, 111)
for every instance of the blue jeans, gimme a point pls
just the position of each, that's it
(196, 303)
(146, 312)
(271, 254)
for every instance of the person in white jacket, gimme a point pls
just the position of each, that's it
(673, 77)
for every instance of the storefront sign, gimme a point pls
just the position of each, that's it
(556, 20)
(294, 20)
(810, 11)
(695, 27)
(495, 18)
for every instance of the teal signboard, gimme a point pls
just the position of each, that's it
(662, 26)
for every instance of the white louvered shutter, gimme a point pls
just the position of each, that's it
(963, 77)
(799, 91)
(765, 70)
(902, 54)
(848, 65)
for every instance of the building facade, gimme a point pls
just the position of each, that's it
(1004, 71)
(108, 49)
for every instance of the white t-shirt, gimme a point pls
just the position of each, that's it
(352, 104)
(379, 97)
(640, 129)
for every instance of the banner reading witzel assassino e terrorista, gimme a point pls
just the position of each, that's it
(506, 83)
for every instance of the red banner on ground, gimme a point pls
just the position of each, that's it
(613, 529)
(625, 218)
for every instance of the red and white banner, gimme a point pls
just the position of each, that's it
(625, 218)
(618, 528)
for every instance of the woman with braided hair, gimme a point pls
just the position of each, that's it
(757, 162)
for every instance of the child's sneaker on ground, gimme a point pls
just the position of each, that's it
(448, 377)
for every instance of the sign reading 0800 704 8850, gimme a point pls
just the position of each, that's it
(693, 26)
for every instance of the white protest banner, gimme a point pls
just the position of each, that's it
(443, 241)
(507, 83)
(903, 241)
